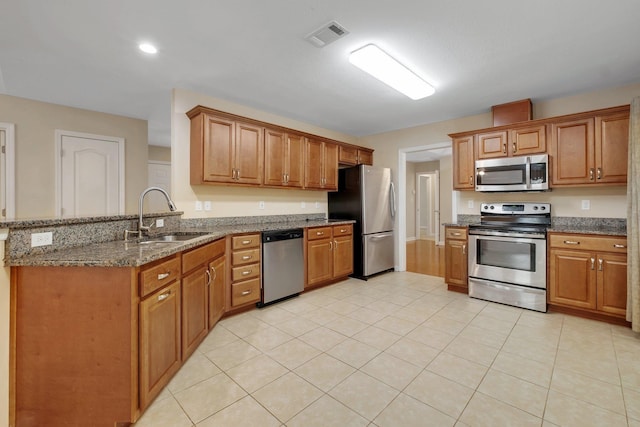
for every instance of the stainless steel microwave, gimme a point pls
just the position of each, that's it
(521, 173)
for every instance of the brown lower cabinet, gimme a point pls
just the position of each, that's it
(588, 274)
(455, 259)
(245, 270)
(329, 254)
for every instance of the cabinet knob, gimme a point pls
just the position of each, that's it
(515, 147)
(599, 173)
(593, 263)
(470, 179)
(464, 249)
(164, 296)
(591, 173)
(600, 261)
(504, 147)
(163, 276)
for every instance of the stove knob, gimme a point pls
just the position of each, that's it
(543, 208)
(535, 208)
(492, 207)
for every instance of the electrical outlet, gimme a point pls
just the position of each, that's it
(317, 205)
(303, 205)
(586, 205)
(41, 239)
(198, 205)
(470, 204)
(261, 205)
(160, 222)
(207, 205)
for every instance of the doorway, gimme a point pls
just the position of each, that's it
(89, 174)
(428, 206)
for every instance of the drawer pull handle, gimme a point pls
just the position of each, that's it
(593, 265)
(164, 296)
(163, 276)
(246, 272)
(246, 257)
(246, 292)
(319, 233)
(504, 148)
(456, 234)
(246, 242)
(591, 172)
(342, 230)
(470, 179)
(215, 273)
(599, 173)
(206, 272)
(571, 242)
(600, 261)
(515, 147)
(617, 246)
(464, 249)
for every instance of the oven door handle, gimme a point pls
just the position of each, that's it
(529, 236)
(527, 173)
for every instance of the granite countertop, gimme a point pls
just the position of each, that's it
(576, 229)
(119, 253)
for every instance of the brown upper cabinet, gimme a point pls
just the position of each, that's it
(321, 165)
(225, 150)
(463, 163)
(512, 142)
(283, 158)
(229, 149)
(348, 155)
(584, 148)
(590, 150)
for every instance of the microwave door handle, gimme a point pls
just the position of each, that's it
(527, 173)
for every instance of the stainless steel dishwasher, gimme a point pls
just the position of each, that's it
(282, 265)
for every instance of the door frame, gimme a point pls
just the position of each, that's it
(9, 178)
(59, 135)
(401, 223)
(434, 211)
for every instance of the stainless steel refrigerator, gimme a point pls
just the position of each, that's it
(366, 194)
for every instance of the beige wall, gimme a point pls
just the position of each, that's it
(35, 125)
(605, 202)
(159, 154)
(229, 201)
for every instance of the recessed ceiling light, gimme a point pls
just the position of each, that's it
(383, 67)
(147, 48)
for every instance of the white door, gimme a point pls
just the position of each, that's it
(159, 176)
(7, 171)
(91, 174)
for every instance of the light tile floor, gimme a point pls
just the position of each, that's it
(400, 350)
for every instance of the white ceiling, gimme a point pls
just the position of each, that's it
(476, 53)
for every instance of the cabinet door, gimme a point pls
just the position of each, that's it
(249, 154)
(319, 261)
(194, 310)
(218, 150)
(573, 152)
(295, 160)
(330, 160)
(218, 271)
(525, 141)
(612, 144)
(463, 163)
(159, 341)
(313, 168)
(455, 255)
(492, 145)
(612, 283)
(274, 157)
(342, 256)
(365, 157)
(572, 278)
(348, 155)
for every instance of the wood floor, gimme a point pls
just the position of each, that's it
(424, 257)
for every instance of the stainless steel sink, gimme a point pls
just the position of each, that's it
(171, 238)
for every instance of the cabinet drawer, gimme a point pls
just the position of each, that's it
(244, 242)
(342, 230)
(202, 254)
(318, 233)
(245, 272)
(588, 243)
(456, 233)
(159, 275)
(244, 292)
(245, 257)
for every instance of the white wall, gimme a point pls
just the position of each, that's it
(230, 201)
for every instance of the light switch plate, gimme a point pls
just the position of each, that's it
(160, 222)
(586, 205)
(261, 205)
(198, 205)
(470, 204)
(207, 205)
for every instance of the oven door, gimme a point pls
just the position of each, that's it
(499, 257)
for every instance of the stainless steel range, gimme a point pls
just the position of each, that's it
(508, 254)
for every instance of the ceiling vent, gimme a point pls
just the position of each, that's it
(327, 34)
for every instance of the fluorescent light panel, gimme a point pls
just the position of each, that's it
(383, 67)
(148, 48)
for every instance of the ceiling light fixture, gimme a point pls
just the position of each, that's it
(383, 67)
(148, 48)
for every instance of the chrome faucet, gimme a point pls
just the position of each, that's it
(172, 206)
(141, 227)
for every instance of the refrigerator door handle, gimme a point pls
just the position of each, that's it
(381, 236)
(392, 199)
